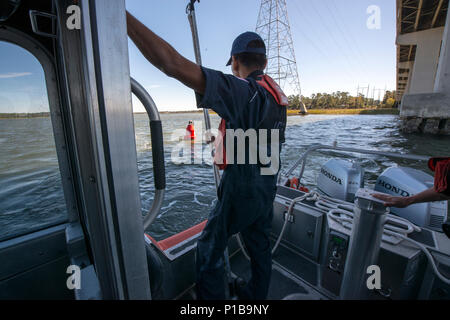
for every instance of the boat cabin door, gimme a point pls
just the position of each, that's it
(95, 248)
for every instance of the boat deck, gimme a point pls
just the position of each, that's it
(288, 274)
(293, 275)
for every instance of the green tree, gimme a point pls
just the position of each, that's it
(390, 103)
(294, 102)
(339, 100)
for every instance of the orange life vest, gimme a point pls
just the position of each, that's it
(220, 157)
(294, 183)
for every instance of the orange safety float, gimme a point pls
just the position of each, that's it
(190, 131)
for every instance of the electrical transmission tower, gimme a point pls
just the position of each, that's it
(273, 26)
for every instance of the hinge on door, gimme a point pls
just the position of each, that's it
(34, 15)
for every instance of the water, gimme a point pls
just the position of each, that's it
(31, 195)
(30, 184)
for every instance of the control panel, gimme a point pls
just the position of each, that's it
(334, 263)
(337, 251)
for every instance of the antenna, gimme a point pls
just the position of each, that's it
(273, 26)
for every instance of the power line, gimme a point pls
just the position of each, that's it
(328, 29)
(344, 36)
(348, 31)
(329, 58)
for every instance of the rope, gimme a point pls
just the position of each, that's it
(342, 213)
(396, 227)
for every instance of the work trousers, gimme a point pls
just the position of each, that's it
(245, 205)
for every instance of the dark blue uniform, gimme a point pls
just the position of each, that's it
(245, 197)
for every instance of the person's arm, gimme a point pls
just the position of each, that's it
(164, 57)
(429, 195)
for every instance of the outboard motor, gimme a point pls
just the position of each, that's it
(341, 179)
(405, 182)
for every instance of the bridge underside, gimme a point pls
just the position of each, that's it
(423, 65)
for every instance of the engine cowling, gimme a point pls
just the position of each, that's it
(404, 182)
(340, 179)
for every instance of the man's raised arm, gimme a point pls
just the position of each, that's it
(163, 56)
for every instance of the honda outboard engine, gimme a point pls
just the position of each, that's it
(405, 182)
(341, 179)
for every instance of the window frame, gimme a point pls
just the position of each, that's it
(46, 60)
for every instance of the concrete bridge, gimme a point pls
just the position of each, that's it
(423, 65)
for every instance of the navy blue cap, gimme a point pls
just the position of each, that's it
(241, 45)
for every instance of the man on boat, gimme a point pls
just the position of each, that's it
(248, 100)
(440, 191)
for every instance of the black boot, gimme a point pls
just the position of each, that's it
(239, 286)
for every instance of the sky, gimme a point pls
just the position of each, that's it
(335, 50)
(22, 82)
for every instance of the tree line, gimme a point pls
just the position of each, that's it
(342, 100)
(24, 115)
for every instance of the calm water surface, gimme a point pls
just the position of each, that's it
(31, 195)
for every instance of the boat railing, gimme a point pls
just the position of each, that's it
(320, 147)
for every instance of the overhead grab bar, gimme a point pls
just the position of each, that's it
(159, 170)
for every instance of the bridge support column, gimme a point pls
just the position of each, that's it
(426, 106)
(424, 68)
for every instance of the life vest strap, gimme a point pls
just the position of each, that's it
(274, 89)
(220, 156)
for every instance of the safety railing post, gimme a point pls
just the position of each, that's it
(190, 10)
(368, 223)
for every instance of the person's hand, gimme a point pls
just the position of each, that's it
(209, 138)
(390, 201)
